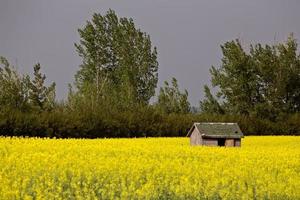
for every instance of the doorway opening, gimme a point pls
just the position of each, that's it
(221, 142)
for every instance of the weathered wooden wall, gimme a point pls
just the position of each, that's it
(229, 142)
(210, 142)
(195, 138)
(237, 142)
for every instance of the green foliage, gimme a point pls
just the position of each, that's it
(117, 60)
(41, 97)
(210, 104)
(20, 93)
(13, 87)
(235, 78)
(144, 122)
(171, 100)
(279, 75)
(262, 83)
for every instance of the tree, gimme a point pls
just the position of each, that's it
(117, 59)
(14, 88)
(171, 100)
(236, 78)
(210, 104)
(279, 75)
(264, 82)
(41, 97)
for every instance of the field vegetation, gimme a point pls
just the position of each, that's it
(266, 167)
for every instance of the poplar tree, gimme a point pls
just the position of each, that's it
(210, 104)
(264, 82)
(117, 59)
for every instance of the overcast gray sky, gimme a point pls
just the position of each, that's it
(187, 33)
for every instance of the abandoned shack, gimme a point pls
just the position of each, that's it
(215, 134)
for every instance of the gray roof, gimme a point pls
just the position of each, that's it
(217, 130)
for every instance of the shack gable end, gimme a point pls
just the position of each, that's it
(195, 137)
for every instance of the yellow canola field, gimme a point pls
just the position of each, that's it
(148, 168)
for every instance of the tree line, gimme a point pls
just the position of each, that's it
(259, 88)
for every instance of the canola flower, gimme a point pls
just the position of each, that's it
(265, 167)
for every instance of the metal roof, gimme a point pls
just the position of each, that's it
(217, 130)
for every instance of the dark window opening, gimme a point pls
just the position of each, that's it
(221, 142)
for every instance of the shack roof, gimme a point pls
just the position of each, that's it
(217, 130)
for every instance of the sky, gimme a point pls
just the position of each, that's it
(187, 33)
